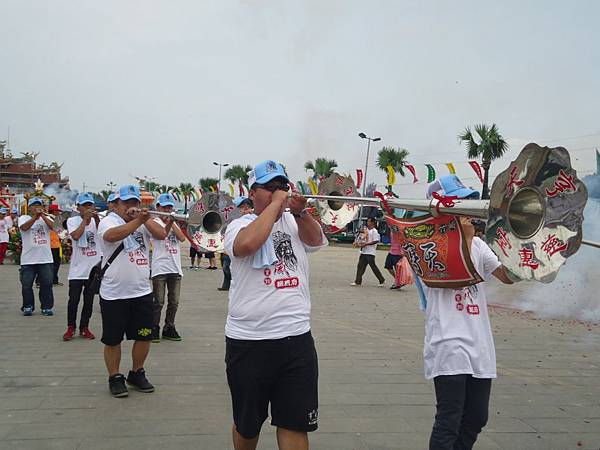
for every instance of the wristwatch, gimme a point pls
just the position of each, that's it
(301, 214)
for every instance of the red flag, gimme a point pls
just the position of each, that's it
(477, 168)
(359, 178)
(412, 170)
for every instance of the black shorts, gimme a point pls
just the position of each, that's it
(208, 255)
(391, 261)
(194, 253)
(283, 372)
(132, 317)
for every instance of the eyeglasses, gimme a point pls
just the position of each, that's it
(274, 187)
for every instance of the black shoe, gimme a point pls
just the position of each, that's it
(156, 334)
(222, 289)
(117, 387)
(139, 381)
(171, 334)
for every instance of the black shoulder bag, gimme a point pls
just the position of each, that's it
(97, 272)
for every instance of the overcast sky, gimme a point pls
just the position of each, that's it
(164, 88)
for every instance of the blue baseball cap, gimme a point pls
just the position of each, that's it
(165, 200)
(129, 191)
(112, 197)
(451, 186)
(15, 210)
(34, 200)
(265, 172)
(238, 201)
(3, 210)
(85, 197)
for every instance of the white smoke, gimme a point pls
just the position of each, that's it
(574, 292)
(64, 198)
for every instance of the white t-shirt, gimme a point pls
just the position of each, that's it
(272, 302)
(36, 242)
(128, 276)
(9, 222)
(4, 226)
(83, 258)
(458, 335)
(372, 236)
(166, 253)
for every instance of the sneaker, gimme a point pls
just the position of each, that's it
(86, 333)
(156, 334)
(28, 311)
(171, 334)
(382, 284)
(117, 387)
(354, 284)
(139, 381)
(47, 312)
(222, 289)
(70, 333)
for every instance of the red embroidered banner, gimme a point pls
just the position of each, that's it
(436, 250)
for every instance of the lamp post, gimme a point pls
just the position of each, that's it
(111, 186)
(221, 165)
(364, 190)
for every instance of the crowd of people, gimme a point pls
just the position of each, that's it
(270, 356)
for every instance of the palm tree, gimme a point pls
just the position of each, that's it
(389, 156)
(150, 186)
(207, 183)
(491, 146)
(163, 188)
(238, 173)
(185, 190)
(321, 167)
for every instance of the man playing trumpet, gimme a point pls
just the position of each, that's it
(270, 354)
(36, 257)
(82, 230)
(125, 292)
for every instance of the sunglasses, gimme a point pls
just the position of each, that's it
(274, 187)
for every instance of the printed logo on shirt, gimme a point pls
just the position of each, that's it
(286, 262)
(90, 250)
(467, 296)
(39, 235)
(139, 256)
(171, 243)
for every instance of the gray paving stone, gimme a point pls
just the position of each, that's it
(53, 394)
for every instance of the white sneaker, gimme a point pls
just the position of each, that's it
(382, 284)
(354, 284)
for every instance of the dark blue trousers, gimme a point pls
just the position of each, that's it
(44, 274)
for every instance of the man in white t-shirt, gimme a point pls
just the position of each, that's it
(166, 270)
(125, 292)
(36, 257)
(270, 353)
(368, 249)
(86, 254)
(459, 353)
(4, 237)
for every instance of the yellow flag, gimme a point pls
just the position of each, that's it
(391, 178)
(313, 186)
(451, 169)
(231, 191)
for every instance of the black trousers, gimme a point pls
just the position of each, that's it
(226, 263)
(363, 262)
(56, 259)
(462, 411)
(75, 289)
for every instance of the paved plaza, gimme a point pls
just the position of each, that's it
(54, 395)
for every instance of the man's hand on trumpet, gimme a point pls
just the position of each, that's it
(140, 214)
(296, 203)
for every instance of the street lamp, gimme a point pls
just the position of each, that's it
(111, 186)
(364, 190)
(220, 166)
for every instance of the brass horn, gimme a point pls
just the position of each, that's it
(536, 206)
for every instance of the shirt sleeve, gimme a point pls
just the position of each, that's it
(105, 224)
(489, 259)
(231, 233)
(375, 235)
(23, 219)
(71, 225)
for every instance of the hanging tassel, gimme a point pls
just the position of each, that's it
(477, 168)
(451, 168)
(359, 178)
(391, 178)
(430, 173)
(412, 170)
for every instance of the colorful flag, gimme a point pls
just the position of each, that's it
(430, 173)
(477, 168)
(412, 170)
(301, 187)
(231, 189)
(391, 178)
(451, 168)
(359, 178)
(313, 186)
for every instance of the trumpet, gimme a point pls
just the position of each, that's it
(535, 206)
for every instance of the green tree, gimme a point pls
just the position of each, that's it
(186, 191)
(321, 167)
(150, 186)
(163, 189)
(207, 183)
(485, 143)
(389, 156)
(103, 195)
(238, 173)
